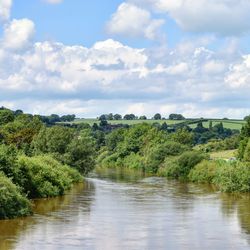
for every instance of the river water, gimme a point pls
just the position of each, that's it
(117, 210)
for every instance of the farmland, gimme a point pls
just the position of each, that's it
(230, 123)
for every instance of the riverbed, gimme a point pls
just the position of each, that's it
(117, 210)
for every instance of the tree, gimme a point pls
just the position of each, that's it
(129, 117)
(183, 136)
(18, 112)
(164, 126)
(103, 123)
(110, 117)
(80, 152)
(53, 140)
(176, 117)
(210, 125)
(67, 118)
(54, 118)
(218, 128)
(157, 116)
(143, 117)
(6, 116)
(117, 117)
(199, 128)
(102, 117)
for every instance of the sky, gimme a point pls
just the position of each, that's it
(133, 56)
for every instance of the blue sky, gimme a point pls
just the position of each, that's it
(126, 56)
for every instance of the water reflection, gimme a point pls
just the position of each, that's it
(126, 210)
(12, 232)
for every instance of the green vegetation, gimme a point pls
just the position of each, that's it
(43, 176)
(176, 154)
(39, 161)
(227, 176)
(228, 124)
(42, 156)
(227, 154)
(12, 202)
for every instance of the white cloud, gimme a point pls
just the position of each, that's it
(116, 78)
(5, 6)
(18, 34)
(130, 20)
(239, 75)
(47, 77)
(223, 17)
(214, 67)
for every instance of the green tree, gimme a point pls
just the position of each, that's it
(117, 117)
(80, 152)
(157, 116)
(183, 136)
(6, 116)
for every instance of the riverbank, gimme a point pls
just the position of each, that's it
(33, 177)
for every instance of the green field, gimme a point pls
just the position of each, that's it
(91, 121)
(231, 124)
(227, 154)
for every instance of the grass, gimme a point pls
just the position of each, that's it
(231, 124)
(227, 154)
(91, 121)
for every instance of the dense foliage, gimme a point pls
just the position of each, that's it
(143, 147)
(12, 202)
(37, 160)
(172, 154)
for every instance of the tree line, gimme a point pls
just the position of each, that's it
(157, 116)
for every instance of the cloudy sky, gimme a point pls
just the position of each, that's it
(131, 56)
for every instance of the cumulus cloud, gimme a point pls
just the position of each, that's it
(130, 20)
(51, 77)
(223, 17)
(5, 6)
(18, 34)
(239, 75)
(110, 76)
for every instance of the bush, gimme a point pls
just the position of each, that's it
(42, 176)
(181, 166)
(169, 168)
(134, 161)
(158, 153)
(233, 177)
(204, 172)
(12, 203)
(8, 156)
(110, 161)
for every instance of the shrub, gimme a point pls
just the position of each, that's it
(188, 160)
(42, 176)
(12, 203)
(110, 160)
(204, 172)
(170, 168)
(134, 161)
(158, 153)
(8, 155)
(180, 167)
(233, 177)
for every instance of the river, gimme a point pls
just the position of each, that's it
(117, 210)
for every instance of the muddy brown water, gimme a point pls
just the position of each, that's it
(117, 210)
